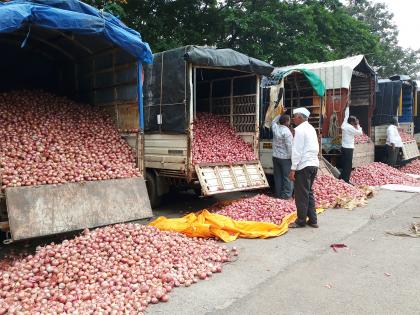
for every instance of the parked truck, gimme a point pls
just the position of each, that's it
(183, 82)
(97, 62)
(348, 82)
(396, 97)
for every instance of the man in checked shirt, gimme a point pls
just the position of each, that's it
(282, 154)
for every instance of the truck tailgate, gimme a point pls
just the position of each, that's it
(222, 178)
(51, 209)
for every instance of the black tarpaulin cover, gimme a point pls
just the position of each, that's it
(387, 101)
(166, 84)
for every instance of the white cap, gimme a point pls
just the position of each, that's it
(302, 110)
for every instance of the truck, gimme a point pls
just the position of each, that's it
(350, 81)
(396, 97)
(181, 83)
(97, 62)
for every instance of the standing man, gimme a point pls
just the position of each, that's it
(350, 128)
(282, 156)
(305, 165)
(393, 142)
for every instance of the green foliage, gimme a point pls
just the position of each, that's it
(391, 58)
(281, 32)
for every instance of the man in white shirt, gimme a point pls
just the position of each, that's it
(393, 142)
(305, 165)
(282, 156)
(350, 128)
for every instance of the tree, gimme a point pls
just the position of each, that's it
(114, 6)
(391, 58)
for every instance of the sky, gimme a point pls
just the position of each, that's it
(406, 17)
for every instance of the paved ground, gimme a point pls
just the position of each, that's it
(298, 273)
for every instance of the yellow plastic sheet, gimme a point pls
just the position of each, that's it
(206, 224)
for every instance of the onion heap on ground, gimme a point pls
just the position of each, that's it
(260, 208)
(118, 269)
(215, 141)
(378, 174)
(47, 139)
(330, 192)
(362, 139)
(406, 137)
(412, 167)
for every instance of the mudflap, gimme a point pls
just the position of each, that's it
(36, 211)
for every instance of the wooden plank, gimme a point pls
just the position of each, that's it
(51, 209)
(128, 116)
(222, 178)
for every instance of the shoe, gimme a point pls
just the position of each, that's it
(295, 225)
(314, 225)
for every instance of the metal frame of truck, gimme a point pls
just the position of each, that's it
(168, 154)
(94, 66)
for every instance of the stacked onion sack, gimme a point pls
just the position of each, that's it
(48, 139)
(118, 269)
(378, 174)
(215, 141)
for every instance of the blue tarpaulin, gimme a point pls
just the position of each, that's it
(72, 16)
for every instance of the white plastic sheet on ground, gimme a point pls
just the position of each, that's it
(414, 176)
(403, 188)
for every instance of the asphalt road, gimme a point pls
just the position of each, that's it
(299, 273)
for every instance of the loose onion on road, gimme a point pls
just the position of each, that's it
(378, 174)
(47, 139)
(412, 167)
(260, 208)
(330, 192)
(118, 269)
(215, 141)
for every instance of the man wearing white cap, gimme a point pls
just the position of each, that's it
(305, 165)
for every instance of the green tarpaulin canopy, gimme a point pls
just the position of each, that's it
(314, 79)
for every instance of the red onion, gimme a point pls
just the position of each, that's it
(260, 208)
(215, 141)
(48, 139)
(405, 137)
(330, 192)
(118, 269)
(362, 139)
(412, 168)
(378, 174)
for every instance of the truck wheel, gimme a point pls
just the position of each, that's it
(197, 191)
(151, 186)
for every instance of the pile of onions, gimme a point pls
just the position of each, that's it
(260, 208)
(329, 191)
(378, 174)
(412, 168)
(406, 137)
(215, 141)
(46, 139)
(118, 269)
(362, 139)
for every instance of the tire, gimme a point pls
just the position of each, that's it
(151, 186)
(197, 191)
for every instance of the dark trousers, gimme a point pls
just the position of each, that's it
(304, 197)
(346, 163)
(282, 183)
(392, 155)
